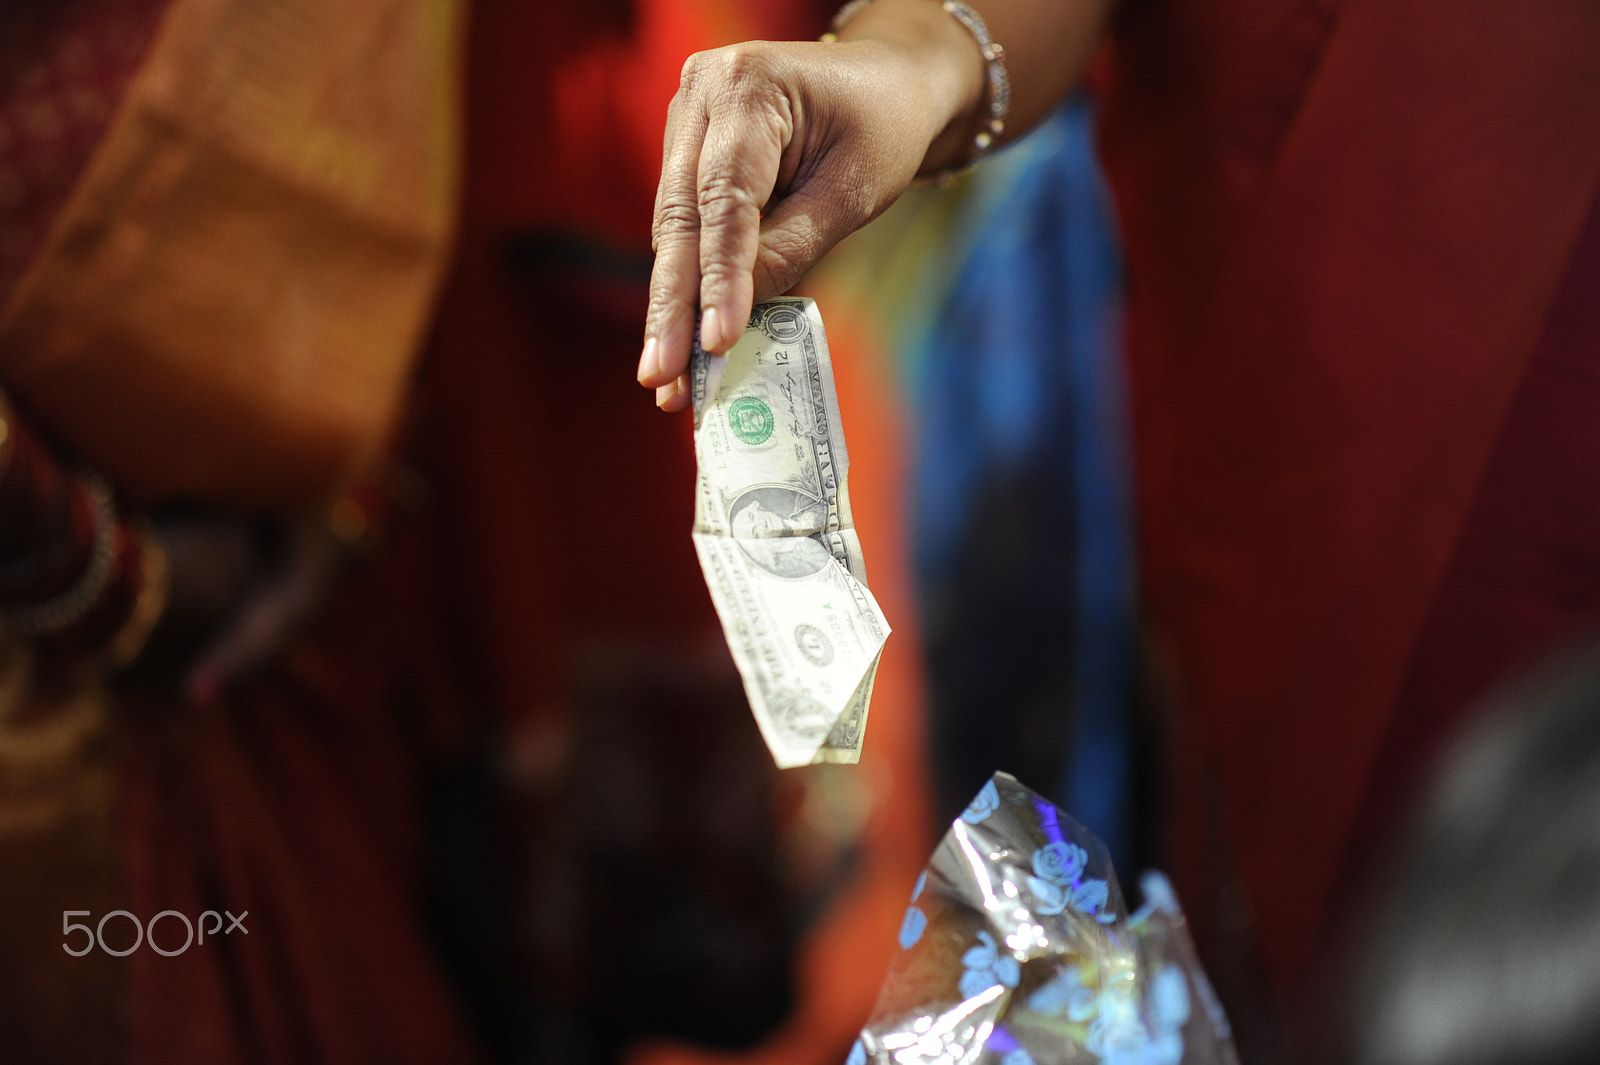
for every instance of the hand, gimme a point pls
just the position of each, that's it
(773, 154)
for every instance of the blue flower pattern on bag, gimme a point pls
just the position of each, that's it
(912, 925)
(1158, 893)
(1118, 1037)
(1060, 862)
(915, 922)
(1048, 899)
(986, 966)
(1116, 1010)
(1090, 898)
(1169, 999)
(986, 802)
(1117, 1034)
(1065, 995)
(1058, 882)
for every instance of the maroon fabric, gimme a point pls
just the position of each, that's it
(298, 798)
(523, 376)
(1525, 573)
(1346, 224)
(64, 67)
(539, 326)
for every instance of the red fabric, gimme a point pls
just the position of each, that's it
(559, 513)
(298, 799)
(1346, 224)
(528, 376)
(64, 66)
(1525, 572)
(568, 490)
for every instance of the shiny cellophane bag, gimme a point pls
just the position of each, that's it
(1018, 949)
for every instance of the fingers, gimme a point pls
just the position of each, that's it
(675, 278)
(738, 172)
(801, 229)
(674, 395)
(824, 139)
(726, 137)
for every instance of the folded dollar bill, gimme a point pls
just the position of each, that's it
(773, 530)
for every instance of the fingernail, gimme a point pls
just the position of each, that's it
(666, 391)
(711, 329)
(650, 361)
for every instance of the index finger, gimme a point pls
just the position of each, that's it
(675, 276)
(750, 123)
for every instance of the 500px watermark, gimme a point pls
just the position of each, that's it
(146, 933)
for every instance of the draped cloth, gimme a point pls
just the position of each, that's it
(222, 223)
(1363, 248)
(286, 197)
(229, 301)
(302, 799)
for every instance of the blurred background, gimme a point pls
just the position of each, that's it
(569, 843)
(317, 325)
(977, 454)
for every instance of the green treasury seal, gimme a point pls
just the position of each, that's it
(750, 419)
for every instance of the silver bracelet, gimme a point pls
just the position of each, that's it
(994, 64)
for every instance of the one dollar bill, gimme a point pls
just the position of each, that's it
(773, 530)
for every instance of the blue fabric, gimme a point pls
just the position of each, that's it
(1019, 498)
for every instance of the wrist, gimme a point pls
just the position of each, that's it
(945, 58)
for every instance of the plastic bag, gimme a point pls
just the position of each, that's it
(1018, 949)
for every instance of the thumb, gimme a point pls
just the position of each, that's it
(805, 226)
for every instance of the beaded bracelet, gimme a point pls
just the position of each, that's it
(999, 82)
(69, 606)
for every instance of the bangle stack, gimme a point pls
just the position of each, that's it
(994, 63)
